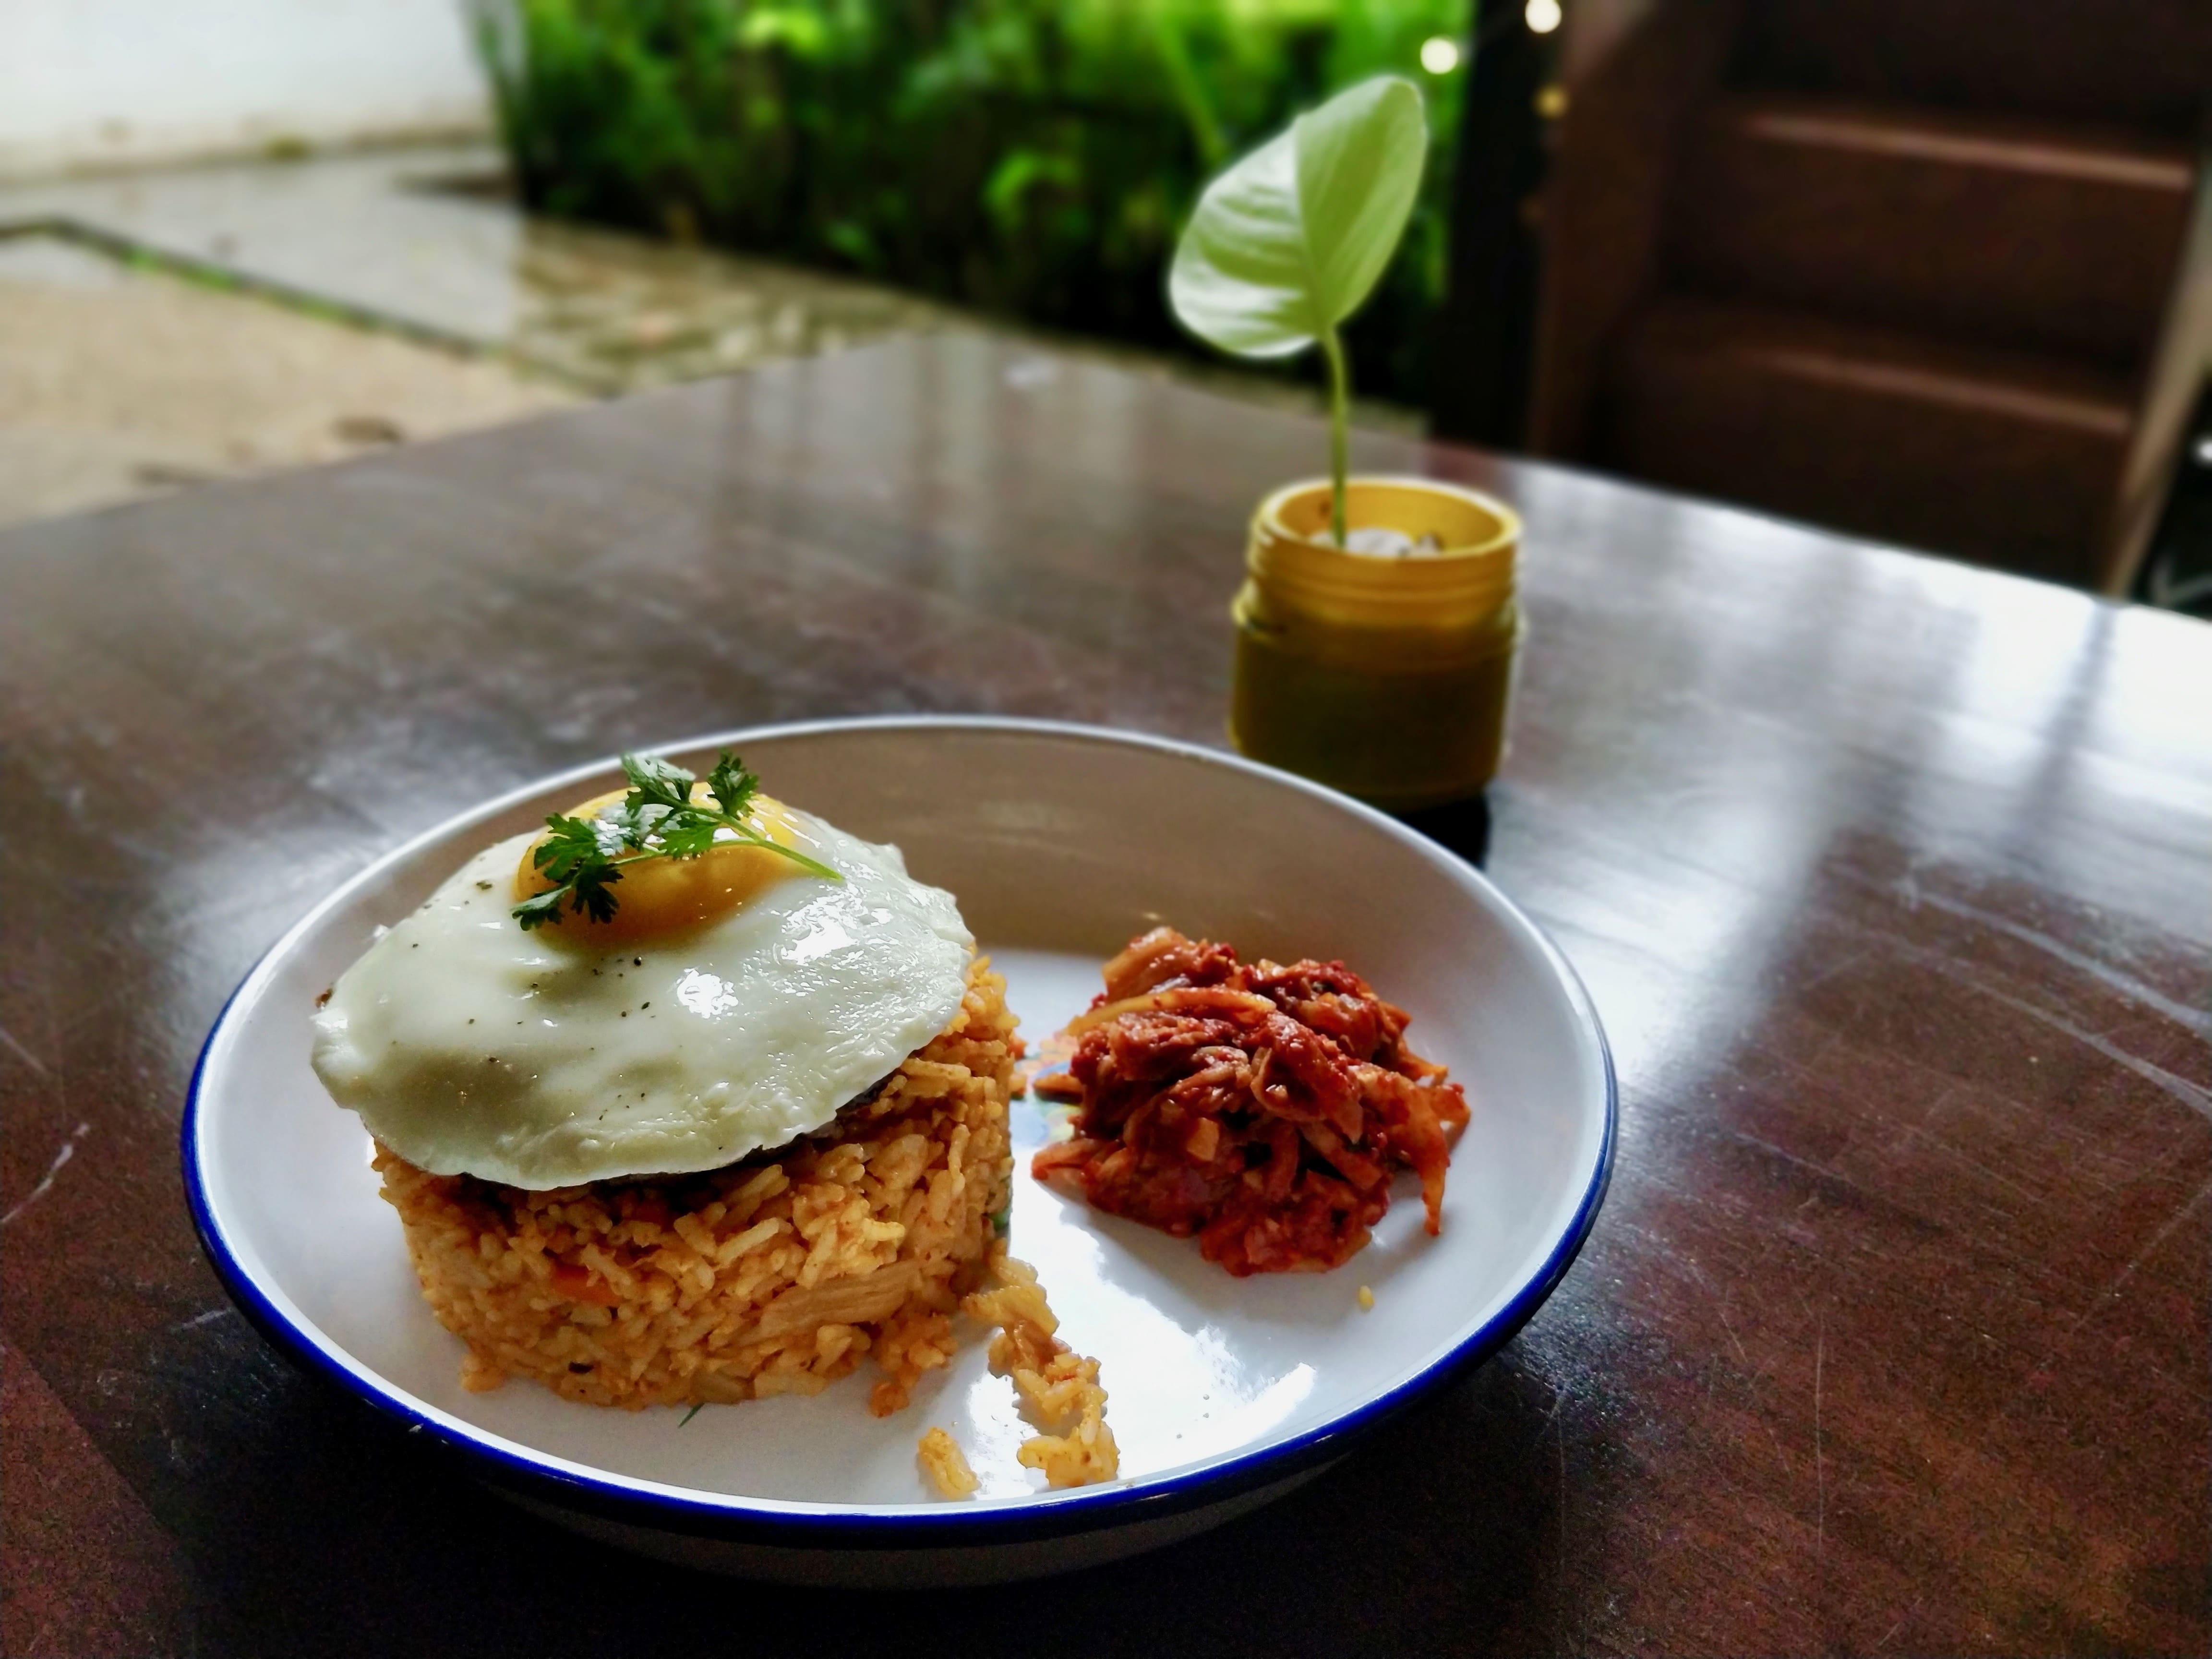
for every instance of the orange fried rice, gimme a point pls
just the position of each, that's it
(772, 1276)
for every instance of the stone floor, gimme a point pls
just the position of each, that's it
(159, 329)
(117, 383)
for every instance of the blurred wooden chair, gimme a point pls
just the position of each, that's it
(1934, 272)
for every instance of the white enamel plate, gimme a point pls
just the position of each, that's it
(1061, 843)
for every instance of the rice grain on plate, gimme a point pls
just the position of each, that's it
(1059, 1388)
(772, 1276)
(945, 1464)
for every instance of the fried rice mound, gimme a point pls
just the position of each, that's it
(774, 1275)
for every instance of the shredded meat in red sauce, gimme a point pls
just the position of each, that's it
(1263, 1108)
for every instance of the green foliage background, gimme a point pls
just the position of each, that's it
(1034, 157)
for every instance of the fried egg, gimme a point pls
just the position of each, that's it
(734, 1003)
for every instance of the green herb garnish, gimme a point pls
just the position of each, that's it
(584, 858)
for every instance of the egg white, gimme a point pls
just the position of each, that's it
(469, 1046)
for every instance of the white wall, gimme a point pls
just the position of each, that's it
(101, 82)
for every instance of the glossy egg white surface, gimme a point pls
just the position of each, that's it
(1060, 844)
(542, 1059)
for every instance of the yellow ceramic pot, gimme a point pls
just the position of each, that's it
(1385, 676)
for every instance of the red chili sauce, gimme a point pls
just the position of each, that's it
(1263, 1108)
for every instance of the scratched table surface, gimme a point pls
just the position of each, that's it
(1891, 879)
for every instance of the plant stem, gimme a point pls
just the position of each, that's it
(749, 836)
(1189, 91)
(1339, 429)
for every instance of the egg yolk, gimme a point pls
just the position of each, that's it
(657, 897)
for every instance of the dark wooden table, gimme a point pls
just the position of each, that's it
(1893, 880)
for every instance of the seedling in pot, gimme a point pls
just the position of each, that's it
(1290, 241)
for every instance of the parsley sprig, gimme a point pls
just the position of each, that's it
(584, 858)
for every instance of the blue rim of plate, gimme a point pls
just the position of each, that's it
(780, 1524)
